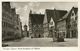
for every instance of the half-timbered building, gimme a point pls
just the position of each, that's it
(36, 25)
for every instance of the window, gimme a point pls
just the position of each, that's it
(75, 18)
(68, 26)
(64, 33)
(17, 28)
(72, 14)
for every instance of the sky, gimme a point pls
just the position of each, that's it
(23, 8)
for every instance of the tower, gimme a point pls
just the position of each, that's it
(25, 31)
(25, 27)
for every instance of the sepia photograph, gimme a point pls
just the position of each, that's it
(39, 24)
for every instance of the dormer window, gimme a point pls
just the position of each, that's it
(73, 15)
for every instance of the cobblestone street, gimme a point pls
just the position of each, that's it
(42, 42)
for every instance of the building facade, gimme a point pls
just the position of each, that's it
(36, 25)
(53, 15)
(9, 21)
(18, 26)
(61, 27)
(72, 30)
(63, 22)
(45, 26)
(67, 25)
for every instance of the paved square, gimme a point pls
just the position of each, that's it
(42, 42)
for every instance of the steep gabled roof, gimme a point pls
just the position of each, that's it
(60, 13)
(55, 14)
(37, 18)
(64, 17)
(69, 14)
(75, 9)
(49, 14)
